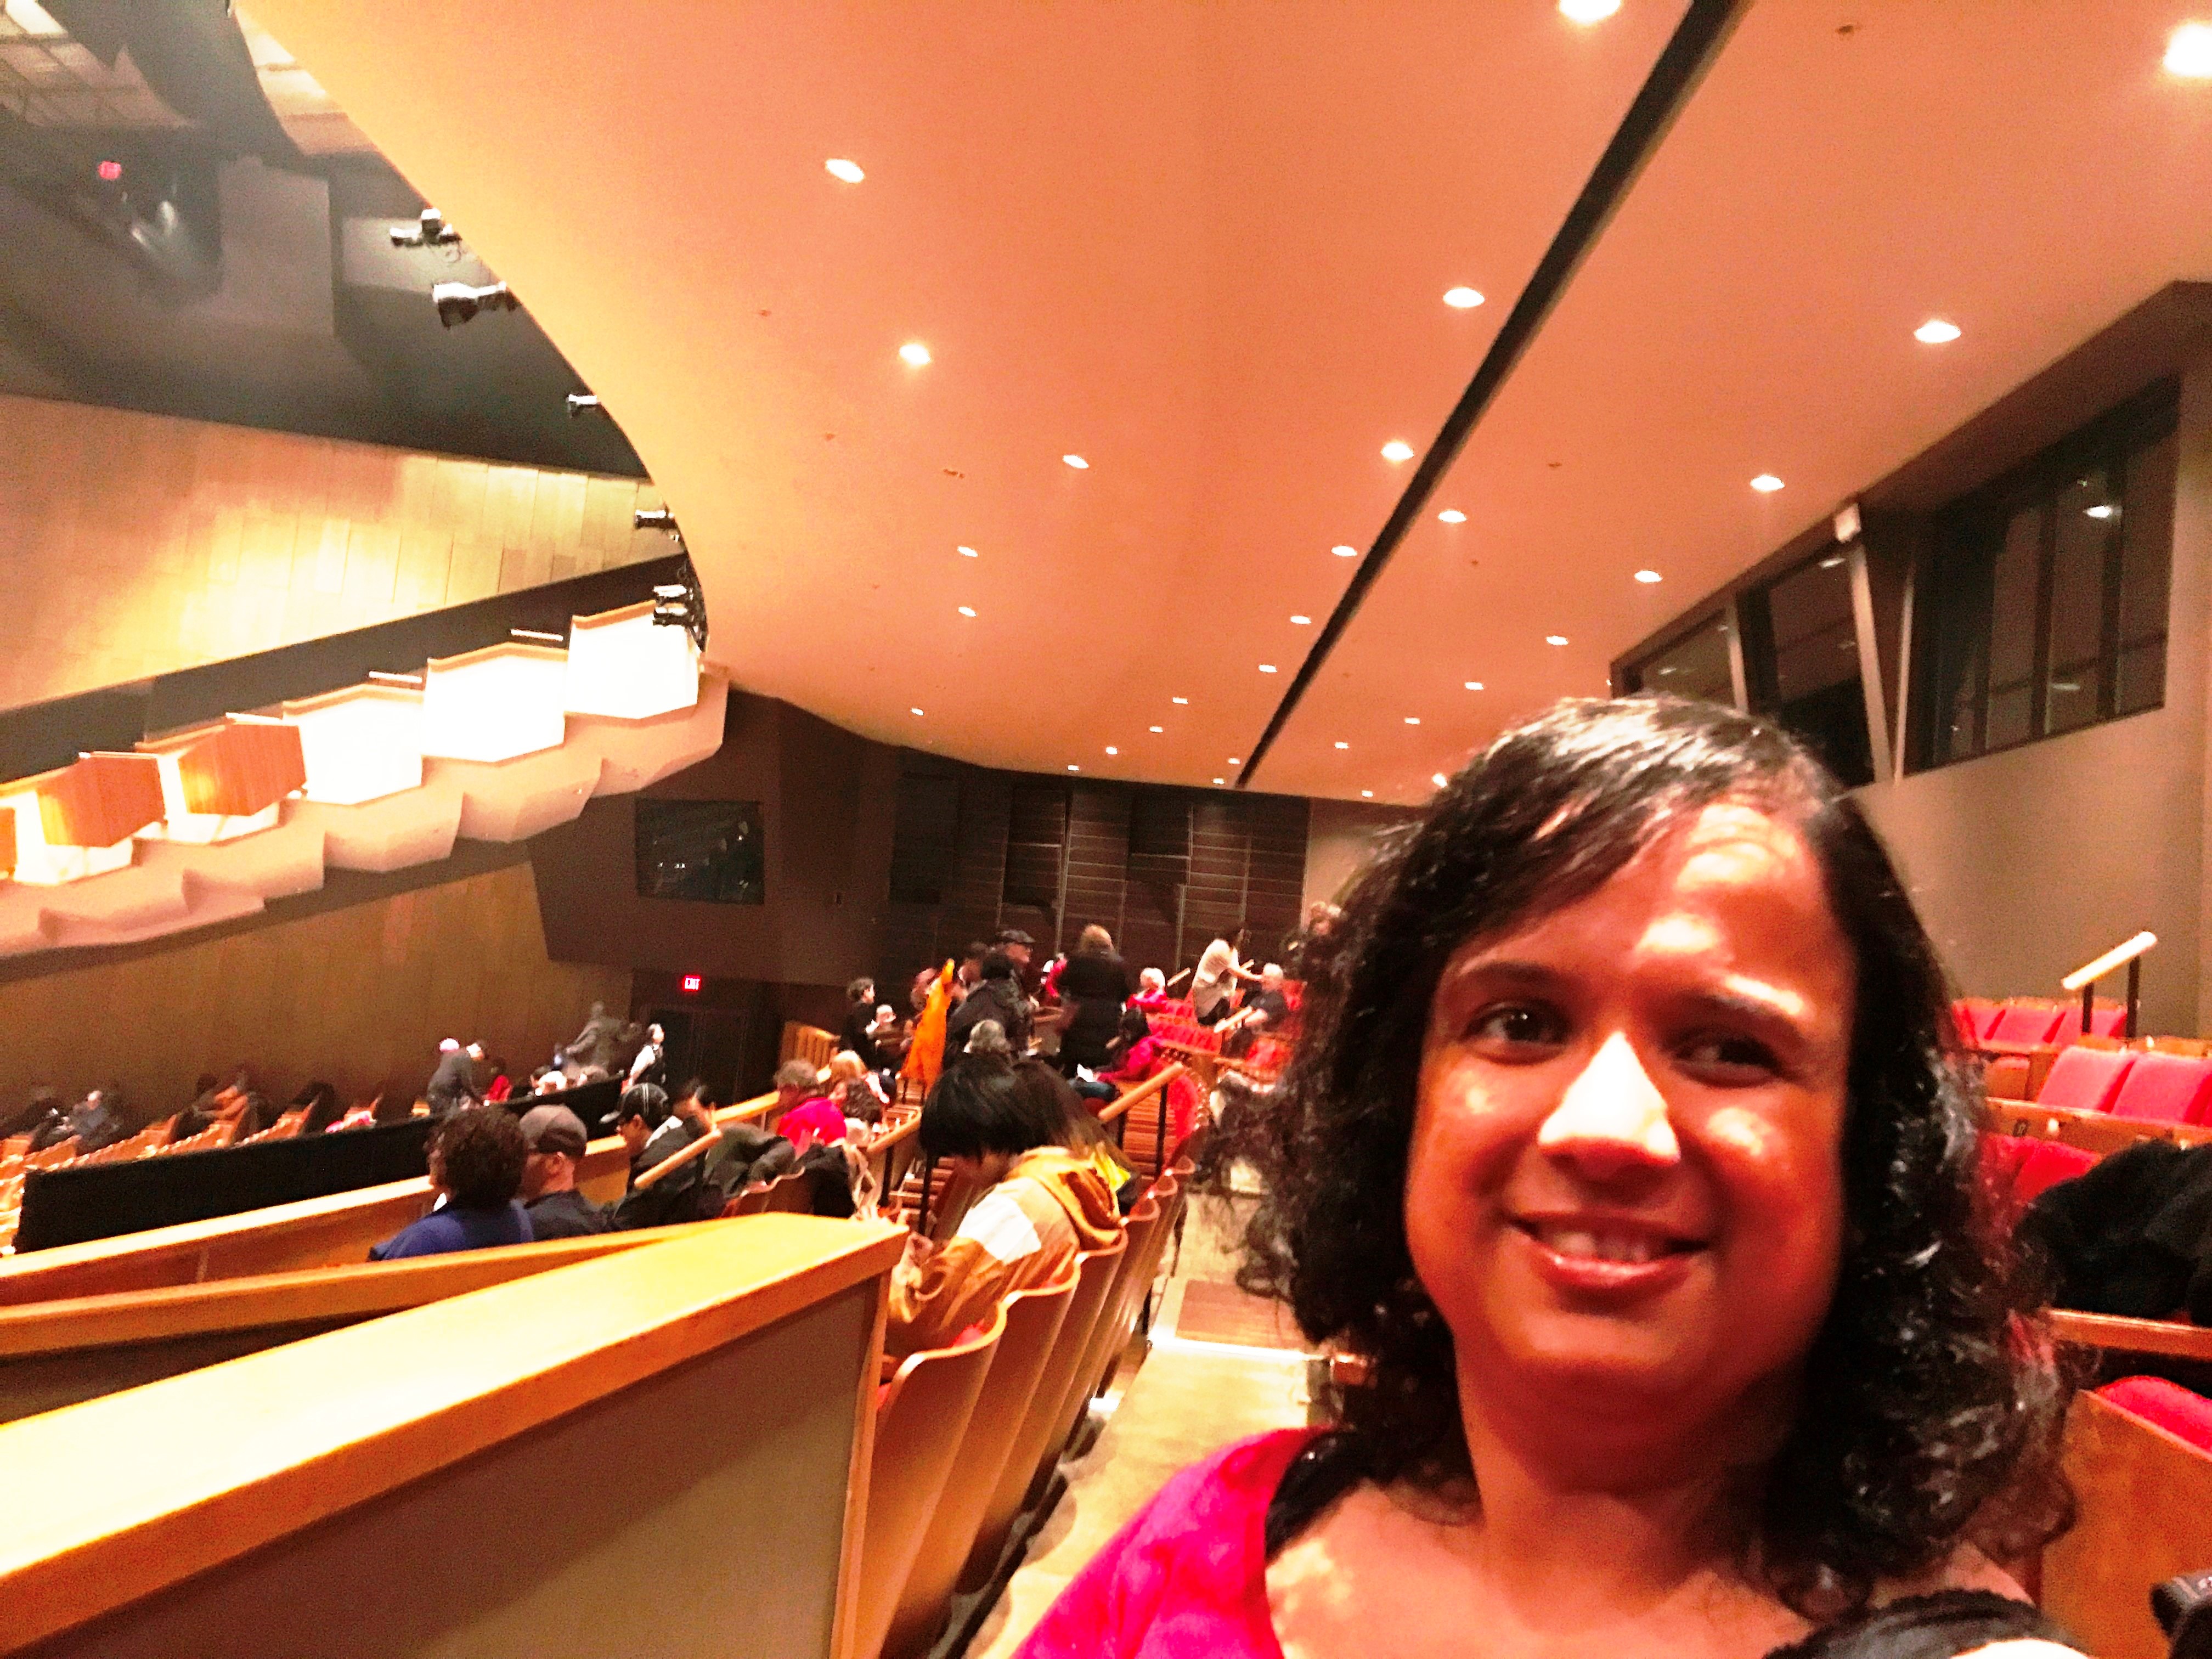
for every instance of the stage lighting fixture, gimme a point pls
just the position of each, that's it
(680, 604)
(579, 402)
(431, 230)
(657, 517)
(458, 302)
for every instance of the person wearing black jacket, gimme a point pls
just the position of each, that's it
(2132, 1236)
(997, 996)
(1094, 984)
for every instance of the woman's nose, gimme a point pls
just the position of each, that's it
(1612, 1119)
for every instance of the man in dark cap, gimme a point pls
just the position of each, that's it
(554, 1136)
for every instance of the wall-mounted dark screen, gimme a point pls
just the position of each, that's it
(714, 850)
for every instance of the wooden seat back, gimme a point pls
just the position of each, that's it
(1033, 1321)
(808, 1042)
(58, 1354)
(1139, 1230)
(2092, 1131)
(1094, 1272)
(790, 1193)
(2144, 1513)
(920, 1424)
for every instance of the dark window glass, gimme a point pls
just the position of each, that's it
(701, 849)
(1812, 686)
(1695, 665)
(2046, 593)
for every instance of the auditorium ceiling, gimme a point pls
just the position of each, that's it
(1206, 249)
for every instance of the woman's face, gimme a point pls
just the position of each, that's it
(1624, 1192)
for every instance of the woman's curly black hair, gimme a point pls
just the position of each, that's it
(1930, 1405)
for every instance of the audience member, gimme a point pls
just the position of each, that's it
(1042, 1206)
(753, 1155)
(650, 1063)
(690, 1118)
(1266, 1014)
(796, 1083)
(987, 1041)
(454, 1083)
(1219, 973)
(99, 1120)
(996, 996)
(820, 1119)
(925, 1049)
(553, 1137)
(1093, 985)
(595, 1045)
(969, 974)
(503, 1082)
(1080, 1130)
(857, 1034)
(477, 1158)
(1152, 990)
(321, 1109)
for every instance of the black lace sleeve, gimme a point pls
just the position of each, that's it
(1939, 1626)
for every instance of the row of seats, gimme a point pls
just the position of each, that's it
(2033, 1022)
(968, 1437)
(17, 1161)
(2124, 1083)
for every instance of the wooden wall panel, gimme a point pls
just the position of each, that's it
(137, 544)
(351, 996)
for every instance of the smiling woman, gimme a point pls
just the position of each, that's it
(1629, 1153)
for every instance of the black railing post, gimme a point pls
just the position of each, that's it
(2088, 1009)
(1160, 1151)
(2135, 995)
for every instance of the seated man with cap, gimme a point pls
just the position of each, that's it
(553, 1136)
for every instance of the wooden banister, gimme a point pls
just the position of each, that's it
(131, 1498)
(2118, 956)
(1155, 1085)
(2175, 1338)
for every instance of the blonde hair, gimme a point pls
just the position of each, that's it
(1095, 938)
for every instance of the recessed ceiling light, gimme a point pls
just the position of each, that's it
(1181, 700)
(915, 353)
(969, 553)
(2102, 510)
(1452, 515)
(1302, 622)
(1555, 639)
(1367, 794)
(1474, 685)
(1831, 562)
(2189, 51)
(1221, 780)
(848, 170)
(1936, 332)
(1647, 577)
(1344, 745)
(1111, 750)
(967, 610)
(1072, 767)
(1397, 450)
(1266, 668)
(1155, 728)
(1235, 761)
(1766, 484)
(1412, 720)
(1462, 298)
(1438, 779)
(1345, 551)
(1588, 11)
(1077, 462)
(914, 711)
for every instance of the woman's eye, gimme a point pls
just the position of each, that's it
(1732, 1059)
(1518, 1026)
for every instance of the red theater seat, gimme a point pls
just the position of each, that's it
(1974, 1016)
(2106, 1020)
(2167, 1405)
(2165, 1088)
(2024, 1022)
(2019, 1168)
(2086, 1079)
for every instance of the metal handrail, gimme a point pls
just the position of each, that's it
(2084, 979)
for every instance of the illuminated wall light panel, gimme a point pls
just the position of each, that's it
(7, 841)
(223, 781)
(59, 814)
(360, 744)
(624, 665)
(496, 704)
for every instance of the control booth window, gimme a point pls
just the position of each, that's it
(2047, 592)
(1694, 665)
(712, 850)
(1802, 648)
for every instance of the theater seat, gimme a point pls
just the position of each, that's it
(2047, 1164)
(2168, 1404)
(2024, 1022)
(2106, 1020)
(1974, 1016)
(2165, 1088)
(2086, 1079)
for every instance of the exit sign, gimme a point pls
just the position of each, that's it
(690, 984)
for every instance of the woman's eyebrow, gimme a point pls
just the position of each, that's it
(1750, 999)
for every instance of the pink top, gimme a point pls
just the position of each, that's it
(819, 1119)
(1188, 1576)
